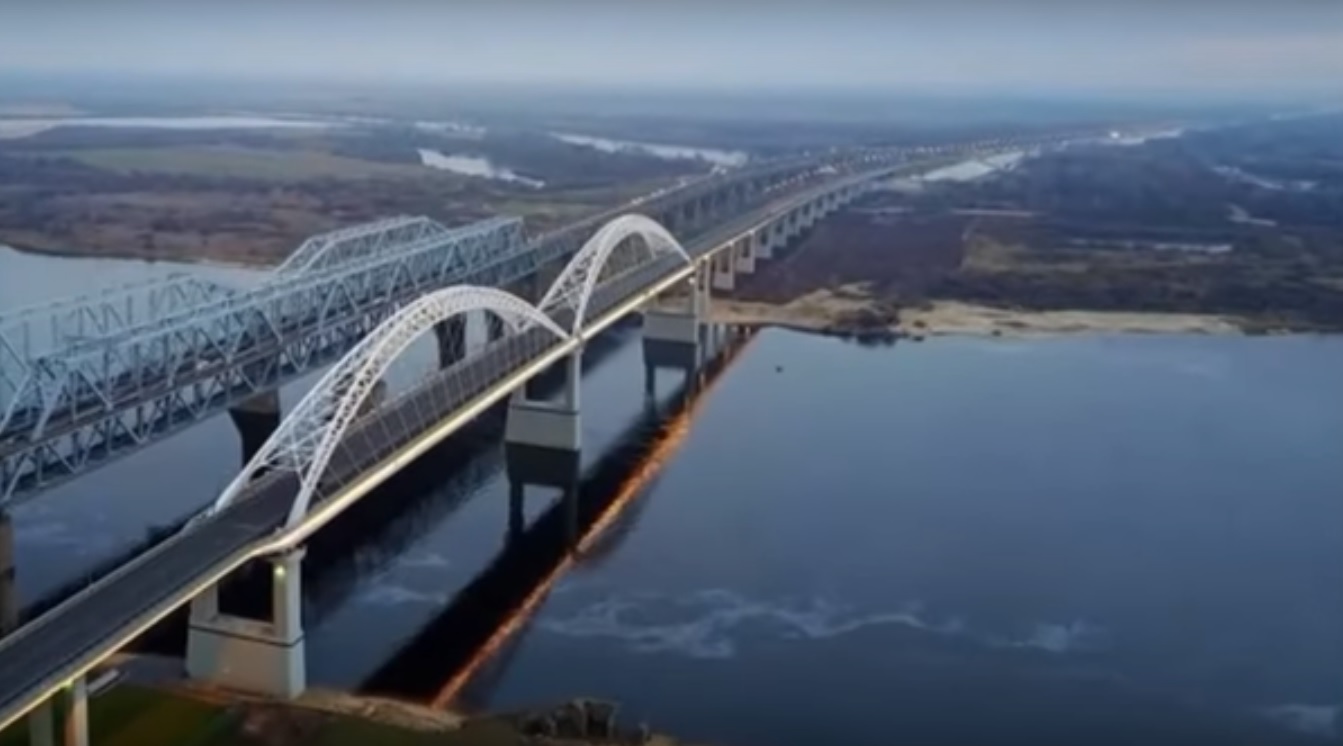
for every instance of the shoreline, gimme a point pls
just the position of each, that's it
(832, 311)
(577, 721)
(126, 256)
(846, 313)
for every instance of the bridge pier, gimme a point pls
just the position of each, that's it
(74, 700)
(256, 419)
(262, 657)
(764, 247)
(9, 591)
(745, 249)
(494, 327)
(530, 466)
(451, 338)
(547, 424)
(724, 275)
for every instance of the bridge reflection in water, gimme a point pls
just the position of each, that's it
(595, 510)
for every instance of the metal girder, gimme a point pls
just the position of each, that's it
(359, 242)
(98, 399)
(27, 334)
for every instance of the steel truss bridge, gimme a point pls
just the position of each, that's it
(331, 450)
(87, 380)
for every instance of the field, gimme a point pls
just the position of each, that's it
(237, 162)
(1151, 238)
(250, 197)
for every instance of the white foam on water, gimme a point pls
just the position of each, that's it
(703, 624)
(1075, 636)
(1314, 720)
(391, 594)
(428, 561)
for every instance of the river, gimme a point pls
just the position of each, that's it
(1100, 539)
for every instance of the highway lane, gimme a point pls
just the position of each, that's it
(90, 626)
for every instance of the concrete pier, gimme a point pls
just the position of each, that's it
(724, 274)
(549, 424)
(530, 466)
(261, 657)
(256, 420)
(451, 338)
(9, 590)
(745, 249)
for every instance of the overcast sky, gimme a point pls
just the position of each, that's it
(1213, 45)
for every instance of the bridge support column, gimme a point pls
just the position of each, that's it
(764, 244)
(75, 722)
(494, 327)
(262, 657)
(9, 591)
(256, 419)
(546, 424)
(40, 730)
(451, 338)
(745, 249)
(724, 277)
(529, 466)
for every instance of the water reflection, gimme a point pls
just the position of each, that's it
(497, 603)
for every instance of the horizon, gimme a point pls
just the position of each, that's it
(963, 49)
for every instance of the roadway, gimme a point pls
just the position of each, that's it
(78, 634)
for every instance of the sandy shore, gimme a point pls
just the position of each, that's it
(825, 310)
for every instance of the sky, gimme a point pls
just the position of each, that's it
(952, 45)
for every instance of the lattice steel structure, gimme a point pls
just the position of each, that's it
(97, 396)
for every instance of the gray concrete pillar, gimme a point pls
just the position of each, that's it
(671, 337)
(545, 424)
(261, 657)
(9, 590)
(256, 420)
(451, 337)
(764, 244)
(745, 249)
(76, 716)
(494, 327)
(41, 732)
(724, 276)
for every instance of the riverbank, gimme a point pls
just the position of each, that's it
(153, 706)
(175, 714)
(256, 264)
(848, 311)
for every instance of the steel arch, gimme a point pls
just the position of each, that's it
(573, 288)
(305, 441)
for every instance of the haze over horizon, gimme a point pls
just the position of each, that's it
(1285, 48)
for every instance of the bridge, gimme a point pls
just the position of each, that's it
(334, 448)
(87, 380)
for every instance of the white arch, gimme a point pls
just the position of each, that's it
(305, 441)
(573, 288)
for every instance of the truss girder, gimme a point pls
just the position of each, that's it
(93, 401)
(359, 242)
